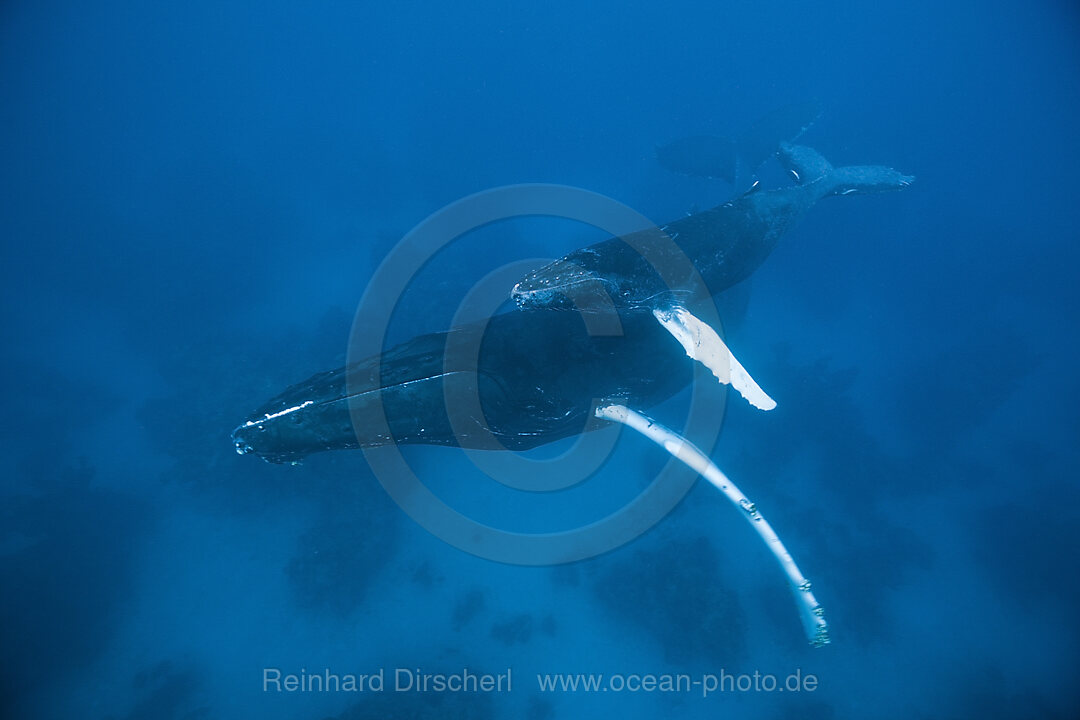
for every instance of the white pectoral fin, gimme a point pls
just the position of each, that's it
(702, 343)
(810, 612)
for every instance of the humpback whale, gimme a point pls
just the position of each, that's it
(725, 245)
(527, 396)
(642, 273)
(536, 369)
(735, 159)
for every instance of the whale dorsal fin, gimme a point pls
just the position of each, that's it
(805, 164)
(752, 189)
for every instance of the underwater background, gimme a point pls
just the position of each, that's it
(193, 197)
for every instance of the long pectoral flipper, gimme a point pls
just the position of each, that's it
(810, 612)
(703, 344)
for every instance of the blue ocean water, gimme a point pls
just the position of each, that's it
(194, 196)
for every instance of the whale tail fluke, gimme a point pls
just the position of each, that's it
(755, 145)
(808, 166)
(868, 179)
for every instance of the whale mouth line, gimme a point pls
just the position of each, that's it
(518, 291)
(339, 398)
(314, 405)
(251, 436)
(272, 416)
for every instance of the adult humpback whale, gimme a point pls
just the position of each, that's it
(735, 159)
(527, 395)
(537, 368)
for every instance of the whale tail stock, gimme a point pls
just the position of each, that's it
(808, 166)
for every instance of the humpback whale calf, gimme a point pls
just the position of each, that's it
(535, 370)
(725, 245)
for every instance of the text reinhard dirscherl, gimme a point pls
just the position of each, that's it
(400, 680)
(465, 680)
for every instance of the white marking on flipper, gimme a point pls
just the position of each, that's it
(702, 343)
(810, 612)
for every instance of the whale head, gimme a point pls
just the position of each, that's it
(307, 418)
(564, 285)
(289, 434)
